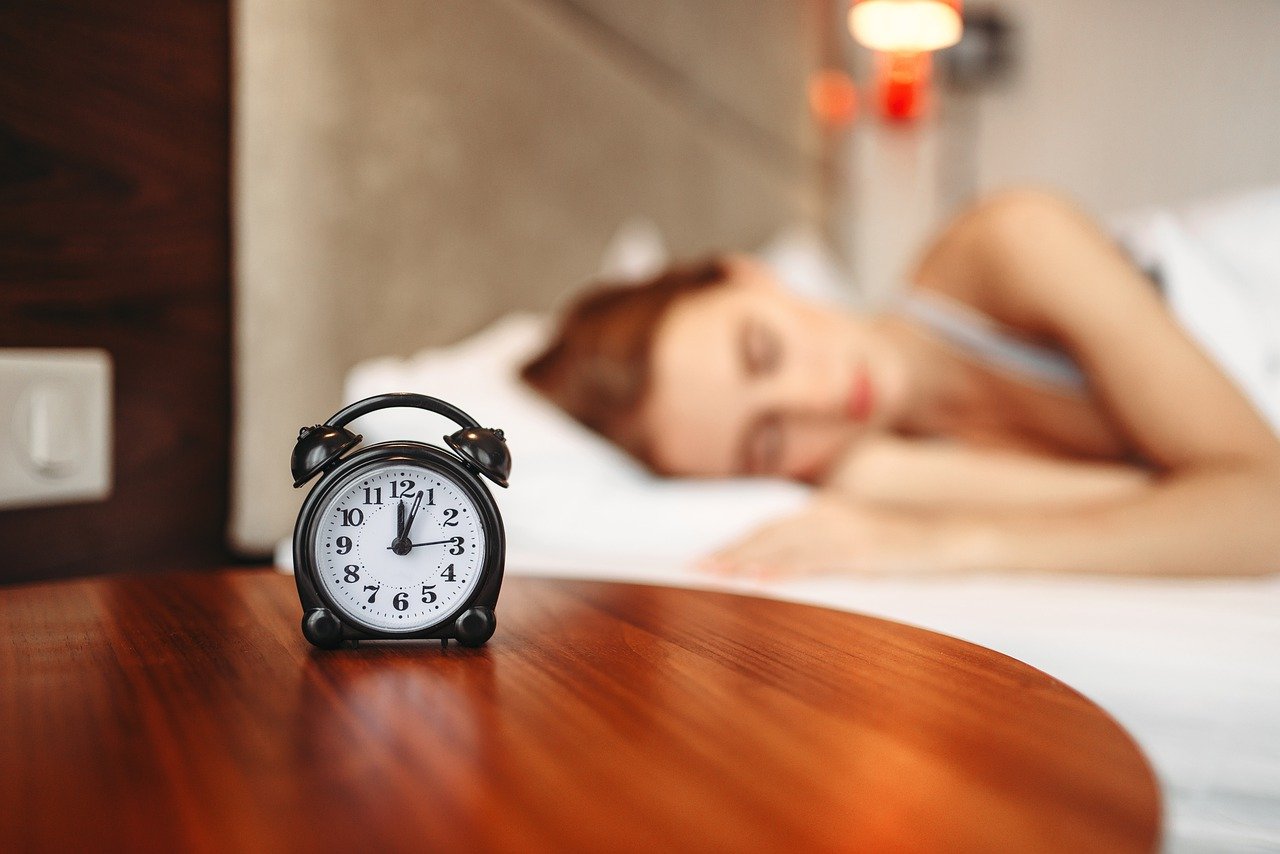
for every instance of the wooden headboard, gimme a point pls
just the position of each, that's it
(405, 172)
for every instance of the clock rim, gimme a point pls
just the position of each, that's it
(312, 591)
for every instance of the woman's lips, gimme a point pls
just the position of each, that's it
(862, 396)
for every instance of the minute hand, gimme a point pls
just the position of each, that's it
(434, 542)
(413, 514)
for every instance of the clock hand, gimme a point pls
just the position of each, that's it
(400, 545)
(433, 542)
(413, 514)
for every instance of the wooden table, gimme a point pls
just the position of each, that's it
(185, 711)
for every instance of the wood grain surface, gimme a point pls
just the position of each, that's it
(184, 711)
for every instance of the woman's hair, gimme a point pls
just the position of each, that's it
(597, 365)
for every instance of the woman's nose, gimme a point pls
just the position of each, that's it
(808, 394)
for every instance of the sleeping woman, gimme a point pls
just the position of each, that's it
(1030, 404)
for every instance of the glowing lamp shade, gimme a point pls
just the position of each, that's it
(905, 26)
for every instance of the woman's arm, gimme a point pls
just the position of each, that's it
(1215, 520)
(1035, 263)
(1200, 524)
(935, 475)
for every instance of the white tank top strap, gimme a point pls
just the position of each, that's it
(982, 338)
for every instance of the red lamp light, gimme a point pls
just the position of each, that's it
(904, 33)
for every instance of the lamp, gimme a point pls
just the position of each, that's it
(905, 26)
(904, 33)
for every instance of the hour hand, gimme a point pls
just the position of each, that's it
(401, 545)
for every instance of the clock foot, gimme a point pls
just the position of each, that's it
(475, 625)
(322, 628)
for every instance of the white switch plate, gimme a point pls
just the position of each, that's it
(55, 426)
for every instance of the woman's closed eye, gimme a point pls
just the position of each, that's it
(761, 348)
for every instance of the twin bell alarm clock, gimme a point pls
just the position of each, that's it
(399, 539)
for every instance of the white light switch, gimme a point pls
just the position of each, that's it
(56, 444)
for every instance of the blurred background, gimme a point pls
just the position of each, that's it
(212, 210)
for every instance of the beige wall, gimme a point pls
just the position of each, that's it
(407, 171)
(1121, 104)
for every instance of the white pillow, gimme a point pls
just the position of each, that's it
(798, 255)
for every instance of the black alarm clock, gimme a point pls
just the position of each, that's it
(399, 539)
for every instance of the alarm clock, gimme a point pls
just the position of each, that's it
(399, 539)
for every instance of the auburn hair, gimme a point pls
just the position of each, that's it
(596, 366)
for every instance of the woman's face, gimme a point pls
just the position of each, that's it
(748, 379)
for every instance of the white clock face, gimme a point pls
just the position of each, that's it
(399, 547)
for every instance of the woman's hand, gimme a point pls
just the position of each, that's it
(833, 535)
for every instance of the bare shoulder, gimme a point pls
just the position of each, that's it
(998, 255)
